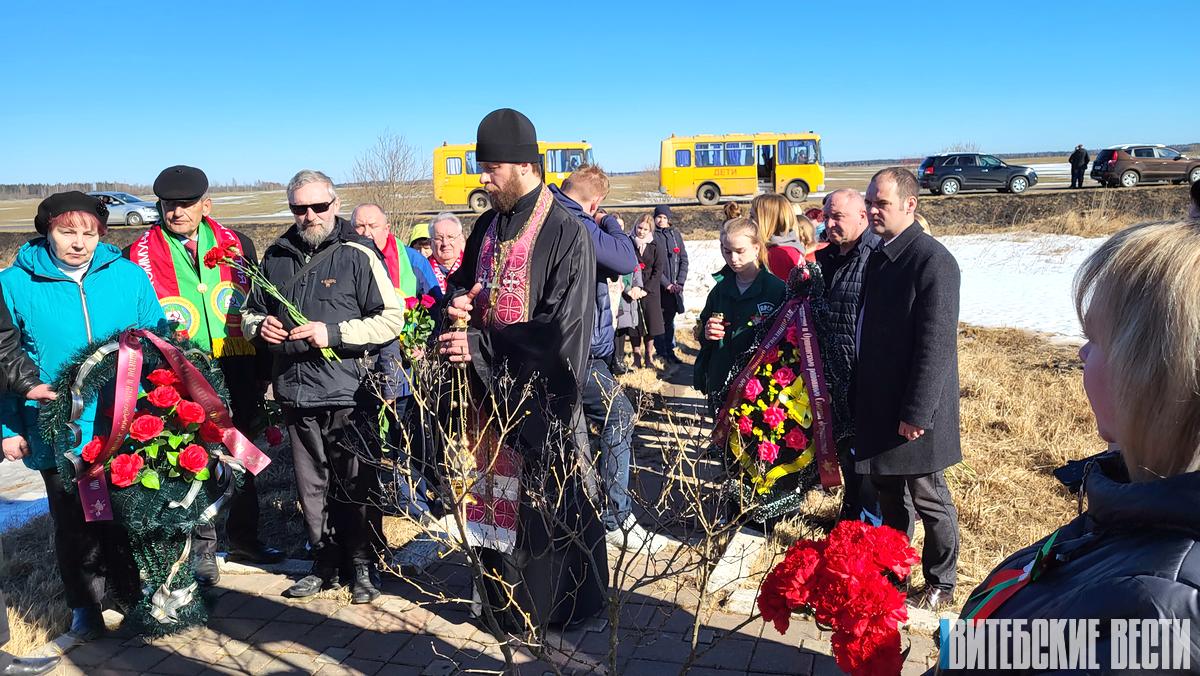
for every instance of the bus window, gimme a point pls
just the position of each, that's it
(683, 158)
(591, 160)
(739, 154)
(453, 166)
(709, 154)
(801, 151)
(565, 160)
(472, 166)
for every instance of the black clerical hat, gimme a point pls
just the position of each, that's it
(61, 202)
(506, 135)
(180, 183)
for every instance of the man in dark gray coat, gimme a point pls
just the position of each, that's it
(906, 383)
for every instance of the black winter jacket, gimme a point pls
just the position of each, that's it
(844, 277)
(17, 372)
(908, 358)
(1132, 554)
(670, 242)
(349, 290)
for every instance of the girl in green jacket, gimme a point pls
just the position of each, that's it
(745, 294)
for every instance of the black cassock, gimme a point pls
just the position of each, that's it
(558, 567)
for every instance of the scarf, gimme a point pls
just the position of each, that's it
(443, 272)
(400, 269)
(207, 302)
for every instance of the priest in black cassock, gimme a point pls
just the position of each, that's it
(527, 285)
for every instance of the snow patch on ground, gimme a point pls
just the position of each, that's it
(1021, 281)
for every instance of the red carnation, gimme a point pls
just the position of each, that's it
(274, 435)
(125, 468)
(641, 266)
(220, 254)
(410, 303)
(164, 396)
(162, 377)
(210, 433)
(427, 301)
(193, 458)
(93, 448)
(145, 427)
(676, 249)
(189, 413)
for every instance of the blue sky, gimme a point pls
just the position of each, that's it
(257, 90)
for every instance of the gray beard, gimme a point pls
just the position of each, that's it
(316, 234)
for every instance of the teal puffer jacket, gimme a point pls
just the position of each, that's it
(57, 317)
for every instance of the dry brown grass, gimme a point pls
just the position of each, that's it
(1102, 220)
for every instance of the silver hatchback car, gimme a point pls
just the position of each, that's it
(126, 209)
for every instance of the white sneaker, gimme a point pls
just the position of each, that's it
(632, 538)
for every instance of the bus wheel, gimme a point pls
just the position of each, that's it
(708, 194)
(479, 201)
(796, 191)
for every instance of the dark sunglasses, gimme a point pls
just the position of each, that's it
(301, 209)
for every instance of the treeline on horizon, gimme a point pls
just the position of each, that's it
(20, 191)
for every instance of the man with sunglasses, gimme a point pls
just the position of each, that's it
(207, 304)
(337, 280)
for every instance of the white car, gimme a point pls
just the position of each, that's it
(126, 209)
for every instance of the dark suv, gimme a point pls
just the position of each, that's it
(949, 173)
(1127, 165)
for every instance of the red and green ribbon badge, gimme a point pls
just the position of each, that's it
(1007, 582)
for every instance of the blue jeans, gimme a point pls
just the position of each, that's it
(606, 407)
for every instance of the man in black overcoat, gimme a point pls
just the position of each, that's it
(906, 382)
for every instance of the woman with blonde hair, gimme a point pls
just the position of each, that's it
(776, 222)
(1132, 552)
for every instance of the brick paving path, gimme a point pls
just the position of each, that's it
(255, 630)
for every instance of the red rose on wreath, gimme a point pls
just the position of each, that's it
(274, 435)
(193, 458)
(162, 377)
(189, 413)
(210, 433)
(92, 449)
(164, 396)
(125, 468)
(145, 427)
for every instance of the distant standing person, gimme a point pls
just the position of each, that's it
(906, 385)
(1079, 162)
(673, 277)
(652, 260)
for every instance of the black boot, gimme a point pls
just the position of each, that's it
(363, 589)
(86, 623)
(205, 569)
(256, 552)
(321, 577)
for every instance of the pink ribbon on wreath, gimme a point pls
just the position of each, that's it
(797, 313)
(93, 488)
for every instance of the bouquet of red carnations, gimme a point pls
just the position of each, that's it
(846, 582)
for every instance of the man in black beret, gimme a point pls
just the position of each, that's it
(206, 303)
(526, 288)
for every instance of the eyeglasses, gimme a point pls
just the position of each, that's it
(301, 209)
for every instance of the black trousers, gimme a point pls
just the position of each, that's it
(335, 455)
(852, 482)
(88, 554)
(1077, 177)
(246, 394)
(665, 344)
(931, 501)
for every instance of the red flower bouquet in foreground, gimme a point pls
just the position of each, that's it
(844, 583)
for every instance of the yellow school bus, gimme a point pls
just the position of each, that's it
(456, 173)
(711, 165)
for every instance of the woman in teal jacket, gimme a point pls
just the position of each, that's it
(66, 290)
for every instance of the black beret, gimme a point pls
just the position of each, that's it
(506, 135)
(62, 202)
(180, 183)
